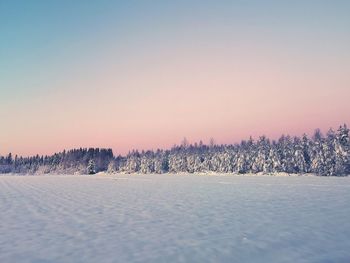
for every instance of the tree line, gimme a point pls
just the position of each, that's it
(327, 155)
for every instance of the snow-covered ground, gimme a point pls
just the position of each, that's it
(164, 218)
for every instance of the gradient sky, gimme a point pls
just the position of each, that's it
(144, 74)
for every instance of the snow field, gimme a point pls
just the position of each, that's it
(174, 218)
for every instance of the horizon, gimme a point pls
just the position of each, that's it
(135, 75)
(190, 143)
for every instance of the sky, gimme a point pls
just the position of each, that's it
(144, 74)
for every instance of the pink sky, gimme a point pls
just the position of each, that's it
(147, 80)
(158, 101)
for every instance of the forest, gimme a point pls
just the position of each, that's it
(324, 155)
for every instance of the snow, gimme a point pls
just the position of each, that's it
(174, 218)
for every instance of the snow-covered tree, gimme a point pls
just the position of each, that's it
(112, 167)
(275, 160)
(261, 154)
(342, 151)
(317, 156)
(146, 165)
(177, 163)
(286, 153)
(300, 165)
(91, 168)
(306, 149)
(132, 164)
(329, 155)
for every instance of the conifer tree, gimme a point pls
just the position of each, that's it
(91, 167)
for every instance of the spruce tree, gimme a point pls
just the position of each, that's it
(91, 168)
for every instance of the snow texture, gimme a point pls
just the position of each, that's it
(174, 218)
